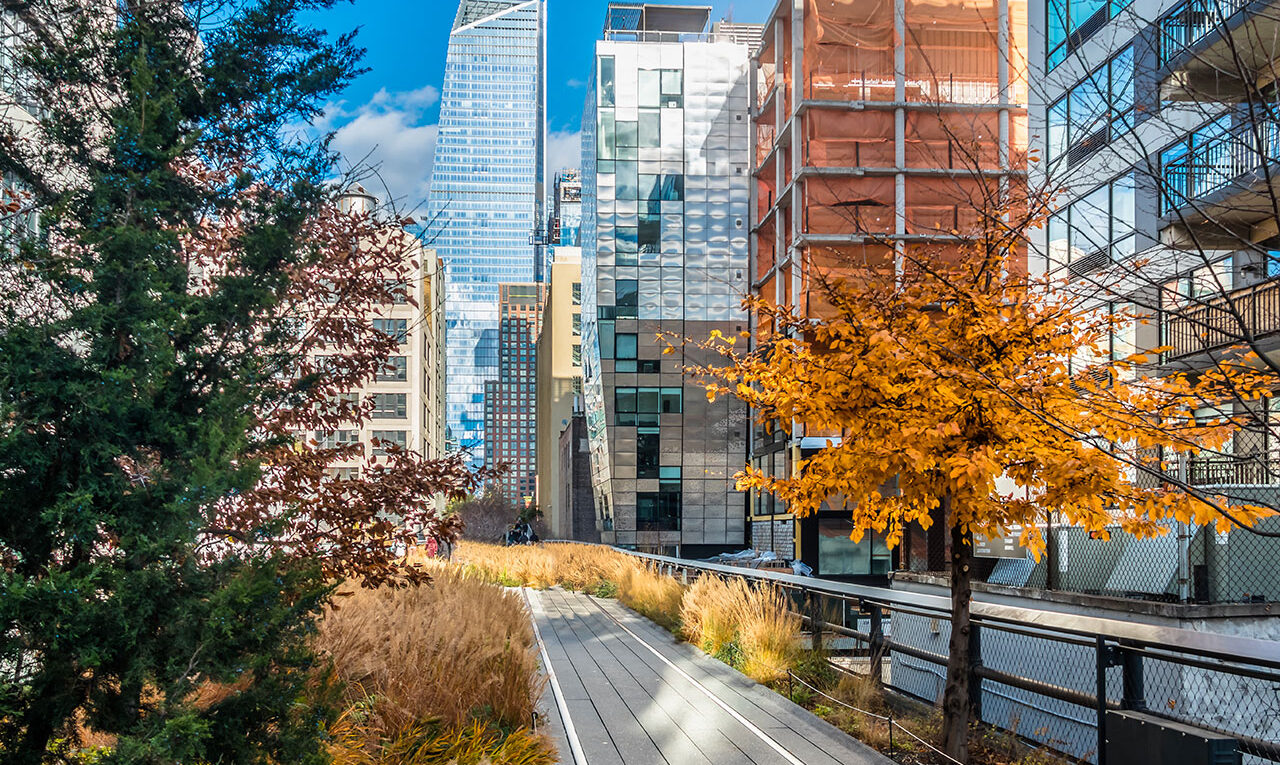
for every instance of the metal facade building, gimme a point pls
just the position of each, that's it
(666, 173)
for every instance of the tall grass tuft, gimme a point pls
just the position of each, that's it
(768, 634)
(750, 626)
(707, 613)
(423, 664)
(651, 594)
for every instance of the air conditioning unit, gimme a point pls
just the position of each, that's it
(1138, 738)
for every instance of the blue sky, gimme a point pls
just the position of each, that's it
(389, 114)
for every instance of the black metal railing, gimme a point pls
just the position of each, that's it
(1047, 676)
(1236, 318)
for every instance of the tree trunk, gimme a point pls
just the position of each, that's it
(956, 704)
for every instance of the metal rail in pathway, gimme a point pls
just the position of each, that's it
(625, 691)
(1033, 666)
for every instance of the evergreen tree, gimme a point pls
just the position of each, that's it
(147, 353)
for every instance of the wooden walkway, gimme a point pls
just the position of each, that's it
(623, 690)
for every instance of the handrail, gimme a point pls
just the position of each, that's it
(1231, 648)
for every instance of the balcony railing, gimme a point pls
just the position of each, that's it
(1232, 319)
(1234, 470)
(1219, 162)
(1193, 21)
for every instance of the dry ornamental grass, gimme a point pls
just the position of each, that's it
(453, 661)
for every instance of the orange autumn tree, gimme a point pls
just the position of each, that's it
(953, 378)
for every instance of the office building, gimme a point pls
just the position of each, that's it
(486, 196)
(666, 191)
(559, 385)
(510, 403)
(870, 121)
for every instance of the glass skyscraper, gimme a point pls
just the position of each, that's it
(486, 188)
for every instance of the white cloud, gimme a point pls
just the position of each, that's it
(564, 151)
(389, 135)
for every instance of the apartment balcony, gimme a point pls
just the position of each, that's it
(1216, 50)
(1234, 470)
(1223, 180)
(1235, 319)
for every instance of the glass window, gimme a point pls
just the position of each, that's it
(672, 82)
(648, 400)
(626, 345)
(839, 555)
(628, 181)
(1088, 107)
(672, 400)
(650, 188)
(625, 400)
(628, 134)
(659, 510)
(606, 81)
(335, 439)
(1091, 222)
(649, 234)
(1058, 130)
(650, 88)
(606, 141)
(1071, 22)
(397, 290)
(650, 130)
(628, 298)
(673, 188)
(647, 453)
(1096, 110)
(605, 331)
(393, 406)
(1104, 220)
(385, 439)
(397, 370)
(1056, 13)
(397, 329)
(1081, 11)
(626, 238)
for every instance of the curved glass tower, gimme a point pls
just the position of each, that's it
(486, 188)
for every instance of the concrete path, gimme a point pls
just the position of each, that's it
(623, 690)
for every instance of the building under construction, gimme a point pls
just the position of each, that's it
(881, 127)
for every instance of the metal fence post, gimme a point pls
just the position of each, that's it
(1135, 696)
(1052, 574)
(877, 642)
(815, 618)
(1101, 656)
